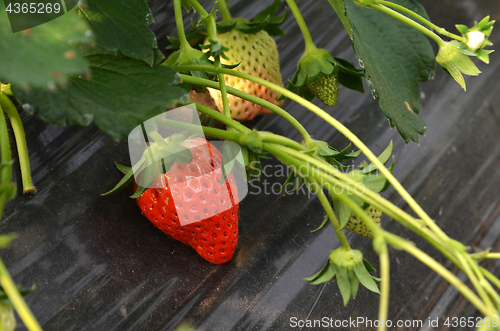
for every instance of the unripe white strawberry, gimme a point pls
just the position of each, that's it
(257, 55)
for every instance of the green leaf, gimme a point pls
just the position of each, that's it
(119, 25)
(122, 94)
(45, 55)
(395, 57)
(365, 278)
(343, 283)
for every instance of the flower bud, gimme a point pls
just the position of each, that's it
(475, 40)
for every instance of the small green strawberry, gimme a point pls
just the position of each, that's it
(356, 225)
(7, 317)
(326, 88)
(257, 55)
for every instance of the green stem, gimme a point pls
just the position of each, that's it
(475, 282)
(383, 309)
(482, 283)
(302, 25)
(223, 92)
(22, 148)
(411, 23)
(222, 118)
(226, 15)
(492, 256)
(420, 18)
(209, 19)
(17, 300)
(331, 214)
(277, 139)
(252, 98)
(341, 128)
(6, 172)
(180, 25)
(447, 275)
(492, 278)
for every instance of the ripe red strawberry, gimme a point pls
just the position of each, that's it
(257, 54)
(191, 206)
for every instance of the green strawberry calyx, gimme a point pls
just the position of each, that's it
(349, 269)
(451, 58)
(265, 20)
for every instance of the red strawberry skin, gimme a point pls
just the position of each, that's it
(191, 206)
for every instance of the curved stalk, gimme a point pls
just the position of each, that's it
(302, 25)
(411, 23)
(383, 309)
(420, 18)
(222, 118)
(180, 25)
(226, 15)
(22, 148)
(448, 276)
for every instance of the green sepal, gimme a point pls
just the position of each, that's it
(6, 239)
(138, 193)
(343, 284)
(324, 275)
(319, 273)
(353, 282)
(264, 20)
(365, 278)
(366, 168)
(5, 299)
(349, 76)
(327, 275)
(368, 266)
(323, 224)
(124, 182)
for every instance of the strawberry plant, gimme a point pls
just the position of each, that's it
(109, 71)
